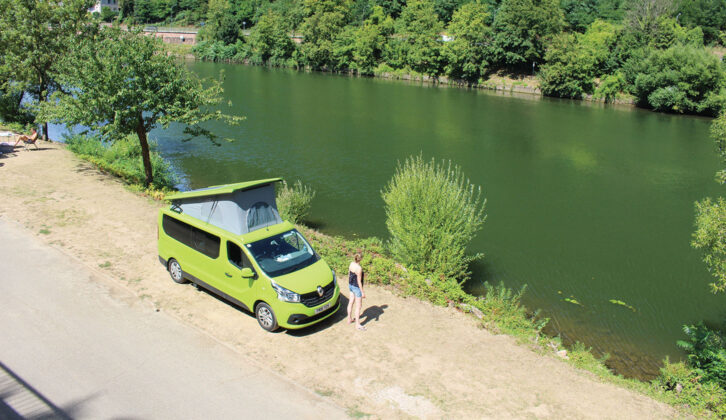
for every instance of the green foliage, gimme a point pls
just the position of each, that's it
(107, 15)
(35, 36)
(709, 15)
(324, 21)
(582, 357)
(417, 37)
(682, 79)
(219, 51)
(123, 84)
(122, 158)
(610, 87)
(573, 61)
(710, 237)
(293, 202)
(432, 213)
(706, 352)
(270, 41)
(579, 14)
(466, 54)
(221, 23)
(503, 310)
(682, 386)
(522, 29)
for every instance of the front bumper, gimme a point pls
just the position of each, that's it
(301, 320)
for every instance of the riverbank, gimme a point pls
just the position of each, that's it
(416, 359)
(498, 82)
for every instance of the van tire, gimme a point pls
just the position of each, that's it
(266, 317)
(175, 271)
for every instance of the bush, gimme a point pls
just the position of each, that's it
(293, 202)
(682, 79)
(433, 212)
(682, 385)
(123, 159)
(706, 352)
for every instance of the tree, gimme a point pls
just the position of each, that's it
(522, 29)
(642, 15)
(710, 234)
(35, 36)
(466, 54)
(122, 83)
(325, 20)
(580, 14)
(574, 60)
(270, 40)
(418, 31)
(709, 15)
(370, 40)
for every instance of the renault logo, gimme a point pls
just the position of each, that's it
(320, 291)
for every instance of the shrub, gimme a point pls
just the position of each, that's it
(503, 308)
(706, 352)
(610, 87)
(682, 385)
(293, 202)
(432, 213)
(681, 79)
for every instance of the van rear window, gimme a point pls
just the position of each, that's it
(195, 238)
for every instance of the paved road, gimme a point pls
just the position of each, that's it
(74, 345)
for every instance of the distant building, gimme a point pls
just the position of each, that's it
(111, 4)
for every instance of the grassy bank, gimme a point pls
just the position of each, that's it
(122, 159)
(499, 310)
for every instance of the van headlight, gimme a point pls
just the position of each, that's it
(284, 294)
(335, 279)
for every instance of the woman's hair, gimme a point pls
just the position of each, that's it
(357, 257)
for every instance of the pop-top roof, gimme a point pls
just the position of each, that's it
(222, 189)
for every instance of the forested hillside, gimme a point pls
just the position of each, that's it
(664, 53)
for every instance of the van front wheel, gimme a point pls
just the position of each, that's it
(266, 317)
(176, 272)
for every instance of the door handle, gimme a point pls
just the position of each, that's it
(227, 274)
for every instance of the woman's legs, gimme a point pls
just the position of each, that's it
(358, 304)
(351, 299)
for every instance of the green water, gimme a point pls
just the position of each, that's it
(584, 200)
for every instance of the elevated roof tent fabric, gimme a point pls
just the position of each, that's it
(238, 208)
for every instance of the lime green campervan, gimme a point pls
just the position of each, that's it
(231, 240)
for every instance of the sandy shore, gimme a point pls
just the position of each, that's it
(415, 360)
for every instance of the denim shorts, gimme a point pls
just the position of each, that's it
(355, 290)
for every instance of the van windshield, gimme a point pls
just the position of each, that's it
(283, 253)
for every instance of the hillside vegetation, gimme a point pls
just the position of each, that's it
(659, 53)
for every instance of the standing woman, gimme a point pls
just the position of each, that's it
(355, 284)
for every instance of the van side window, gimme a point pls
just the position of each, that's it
(237, 256)
(206, 243)
(178, 230)
(193, 237)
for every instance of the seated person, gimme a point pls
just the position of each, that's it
(27, 138)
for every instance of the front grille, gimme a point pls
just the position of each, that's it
(313, 299)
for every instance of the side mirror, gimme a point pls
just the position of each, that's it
(247, 273)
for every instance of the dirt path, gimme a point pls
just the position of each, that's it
(415, 360)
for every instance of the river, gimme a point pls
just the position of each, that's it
(586, 202)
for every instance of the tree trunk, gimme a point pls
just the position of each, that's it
(41, 98)
(145, 155)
